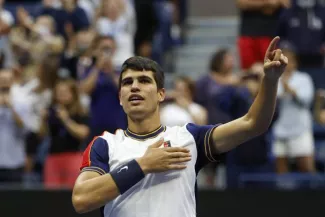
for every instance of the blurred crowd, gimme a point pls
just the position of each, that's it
(59, 72)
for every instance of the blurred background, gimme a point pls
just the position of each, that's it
(59, 66)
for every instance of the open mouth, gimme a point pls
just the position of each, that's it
(135, 98)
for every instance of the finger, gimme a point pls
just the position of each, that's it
(272, 64)
(180, 160)
(176, 167)
(277, 55)
(179, 154)
(157, 144)
(272, 45)
(283, 59)
(176, 149)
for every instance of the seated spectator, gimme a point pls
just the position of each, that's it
(100, 82)
(117, 19)
(305, 19)
(68, 14)
(66, 124)
(293, 129)
(12, 132)
(183, 110)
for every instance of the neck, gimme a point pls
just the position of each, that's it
(144, 125)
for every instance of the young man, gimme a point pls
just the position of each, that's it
(130, 174)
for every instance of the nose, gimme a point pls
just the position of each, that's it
(135, 86)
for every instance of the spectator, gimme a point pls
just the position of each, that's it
(303, 26)
(217, 86)
(293, 129)
(183, 109)
(100, 82)
(258, 26)
(117, 19)
(66, 123)
(319, 111)
(147, 25)
(12, 133)
(69, 14)
(6, 23)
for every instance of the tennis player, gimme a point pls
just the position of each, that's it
(149, 170)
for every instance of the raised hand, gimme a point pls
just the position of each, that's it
(158, 159)
(274, 61)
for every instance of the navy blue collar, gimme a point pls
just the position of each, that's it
(150, 135)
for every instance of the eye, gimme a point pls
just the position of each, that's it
(144, 80)
(127, 82)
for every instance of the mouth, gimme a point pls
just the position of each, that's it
(135, 98)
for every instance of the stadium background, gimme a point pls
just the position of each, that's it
(185, 48)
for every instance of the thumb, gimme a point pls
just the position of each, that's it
(157, 144)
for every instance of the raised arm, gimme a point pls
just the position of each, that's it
(259, 116)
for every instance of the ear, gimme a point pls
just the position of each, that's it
(161, 94)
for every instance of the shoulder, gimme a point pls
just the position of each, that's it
(303, 76)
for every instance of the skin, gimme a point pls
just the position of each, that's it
(92, 190)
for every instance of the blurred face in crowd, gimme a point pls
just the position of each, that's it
(106, 48)
(6, 80)
(63, 94)
(228, 62)
(44, 25)
(84, 40)
(182, 89)
(139, 94)
(69, 4)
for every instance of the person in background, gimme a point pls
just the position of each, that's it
(319, 111)
(68, 14)
(303, 25)
(183, 110)
(258, 23)
(66, 124)
(12, 132)
(293, 130)
(117, 18)
(100, 82)
(6, 23)
(216, 86)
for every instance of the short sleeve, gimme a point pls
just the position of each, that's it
(204, 144)
(96, 157)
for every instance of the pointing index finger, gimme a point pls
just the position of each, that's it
(272, 47)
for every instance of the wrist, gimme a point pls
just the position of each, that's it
(143, 166)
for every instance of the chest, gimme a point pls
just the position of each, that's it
(131, 149)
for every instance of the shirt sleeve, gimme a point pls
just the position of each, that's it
(96, 157)
(204, 144)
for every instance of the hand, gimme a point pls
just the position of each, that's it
(157, 159)
(62, 113)
(274, 62)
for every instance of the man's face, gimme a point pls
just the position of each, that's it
(6, 79)
(139, 95)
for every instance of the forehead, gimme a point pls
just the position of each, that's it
(134, 74)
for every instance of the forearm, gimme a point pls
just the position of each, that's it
(88, 84)
(251, 4)
(79, 131)
(261, 112)
(94, 193)
(318, 111)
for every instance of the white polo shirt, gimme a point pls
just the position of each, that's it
(164, 194)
